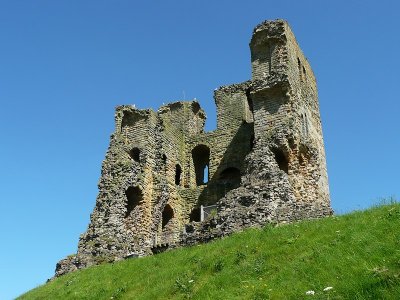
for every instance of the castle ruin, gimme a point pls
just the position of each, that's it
(165, 182)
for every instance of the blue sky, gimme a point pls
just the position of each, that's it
(65, 65)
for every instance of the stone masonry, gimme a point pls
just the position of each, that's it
(166, 183)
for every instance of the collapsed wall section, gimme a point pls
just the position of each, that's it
(284, 177)
(215, 159)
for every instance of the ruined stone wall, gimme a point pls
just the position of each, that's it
(113, 231)
(287, 110)
(177, 121)
(309, 170)
(265, 162)
(284, 177)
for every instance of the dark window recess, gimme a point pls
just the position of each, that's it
(134, 197)
(164, 159)
(195, 215)
(167, 215)
(281, 160)
(128, 119)
(135, 154)
(201, 160)
(178, 174)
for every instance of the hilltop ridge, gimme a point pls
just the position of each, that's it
(353, 256)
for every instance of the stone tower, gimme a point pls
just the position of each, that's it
(167, 183)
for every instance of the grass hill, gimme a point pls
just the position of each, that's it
(354, 256)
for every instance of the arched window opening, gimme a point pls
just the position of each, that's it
(201, 161)
(178, 174)
(134, 197)
(281, 160)
(167, 215)
(164, 159)
(135, 154)
(195, 215)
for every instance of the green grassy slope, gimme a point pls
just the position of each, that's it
(358, 255)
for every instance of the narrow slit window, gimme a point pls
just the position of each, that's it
(135, 154)
(178, 174)
(205, 174)
(201, 161)
(299, 67)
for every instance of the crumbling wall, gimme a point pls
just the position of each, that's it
(265, 162)
(177, 121)
(285, 176)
